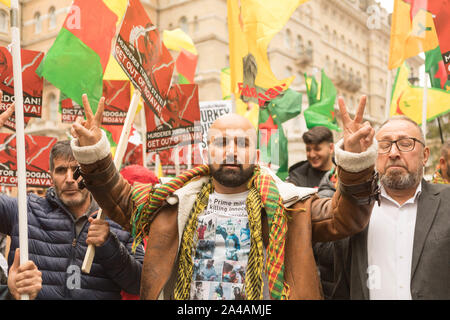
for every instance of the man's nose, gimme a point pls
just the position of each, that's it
(394, 152)
(69, 176)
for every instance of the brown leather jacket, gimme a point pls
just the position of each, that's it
(324, 220)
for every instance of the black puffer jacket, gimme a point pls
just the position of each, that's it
(58, 252)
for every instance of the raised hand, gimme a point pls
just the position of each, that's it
(88, 131)
(358, 136)
(8, 112)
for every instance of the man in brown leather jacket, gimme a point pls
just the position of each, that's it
(183, 236)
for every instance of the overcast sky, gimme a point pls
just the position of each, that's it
(388, 4)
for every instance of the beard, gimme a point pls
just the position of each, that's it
(398, 180)
(72, 201)
(232, 178)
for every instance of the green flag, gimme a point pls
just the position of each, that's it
(321, 113)
(272, 141)
(435, 67)
(311, 89)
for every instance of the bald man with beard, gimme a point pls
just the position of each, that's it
(234, 192)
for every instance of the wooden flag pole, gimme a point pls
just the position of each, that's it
(144, 137)
(118, 157)
(20, 136)
(388, 95)
(424, 103)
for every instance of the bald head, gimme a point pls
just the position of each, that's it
(232, 122)
(232, 152)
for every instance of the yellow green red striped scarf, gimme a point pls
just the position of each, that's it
(263, 194)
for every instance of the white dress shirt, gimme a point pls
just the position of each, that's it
(390, 246)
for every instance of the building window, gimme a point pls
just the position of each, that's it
(53, 104)
(3, 21)
(299, 44)
(183, 23)
(37, 23)
(52, 18)
(335, 38)
(287, 38)
(327, 34)
(196, 24)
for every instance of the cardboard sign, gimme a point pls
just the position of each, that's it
(210, 111)
(142, 55)
(32, 84)
(37, 150)
(179, 123)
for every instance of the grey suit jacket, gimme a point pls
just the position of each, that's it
(430, 268)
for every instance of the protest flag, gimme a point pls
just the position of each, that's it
(186, 64)
(225, 83)
(187, 59)
(272, 142)
(435, 67)
(321, 113)
(78, 58)
(408, 100)
(441, 10)
(312, 89)
(412, 32)
(251, 26)
(177, 40)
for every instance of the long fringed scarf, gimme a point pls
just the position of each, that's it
(263, 193)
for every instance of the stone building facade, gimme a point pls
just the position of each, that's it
(348, 38)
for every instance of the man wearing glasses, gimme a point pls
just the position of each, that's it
(404, 253)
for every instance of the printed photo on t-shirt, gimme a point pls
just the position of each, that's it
(237, 292)
(200, 290)
(206, 227)
(229, 233)
(207, 270)
(233, 272)
(219, 291)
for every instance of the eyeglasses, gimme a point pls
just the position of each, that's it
(403, 145)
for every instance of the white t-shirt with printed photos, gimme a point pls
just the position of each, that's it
(222, 245)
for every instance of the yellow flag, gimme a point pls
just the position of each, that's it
(6, 2)
(251, 26)
(409, 38)
(225, 83)
(407, 100)
(177, 39)
(119, 7)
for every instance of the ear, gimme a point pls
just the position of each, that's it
(332, 147)
(442, 163)
(426, 155)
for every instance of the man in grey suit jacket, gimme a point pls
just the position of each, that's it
(404, 252)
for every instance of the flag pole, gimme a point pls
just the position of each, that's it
(144, 137)
(424, 103)
(388, 95)
(20, 136)
(118, 157)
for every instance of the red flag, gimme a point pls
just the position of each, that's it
(186, 64)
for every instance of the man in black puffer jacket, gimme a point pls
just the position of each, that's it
(60, 226)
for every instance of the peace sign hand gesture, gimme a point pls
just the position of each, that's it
(88, 131)
(358, 136)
